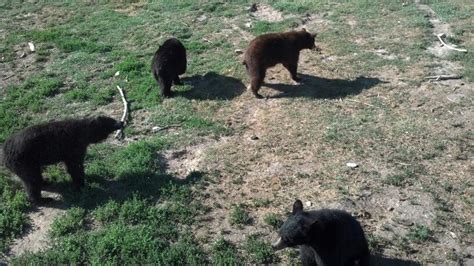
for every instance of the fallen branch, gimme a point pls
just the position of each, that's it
(440, 37)
(360, 102)
(5, 78)
(156, 129)
(119, 133)
(444, 77)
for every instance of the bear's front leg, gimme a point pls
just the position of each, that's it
(76, 170)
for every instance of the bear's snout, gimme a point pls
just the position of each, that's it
(279, 244)
(119, 125)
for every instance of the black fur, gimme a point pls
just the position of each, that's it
(324, 237)
(63, 141)
(168, 63)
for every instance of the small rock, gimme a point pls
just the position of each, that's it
(402, 221)
(238, 51)
(202, 18)
(352, 165)
(248, 24)
(117, 73)
(156, 129)
(22, 55)
(31, 46)
(253, 137)
(308, 204)
(457, 123)
(386, 227)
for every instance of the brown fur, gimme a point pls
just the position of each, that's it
(270, 49)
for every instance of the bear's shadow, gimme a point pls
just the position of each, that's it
(323, 88)
(99, 190)
(379, 260)
(212, 86)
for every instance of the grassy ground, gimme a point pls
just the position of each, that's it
(214, 186)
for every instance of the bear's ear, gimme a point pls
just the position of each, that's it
(303, 29)
(314, 35)
(297, 207)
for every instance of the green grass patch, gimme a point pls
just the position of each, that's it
(420, 234)
(224, 253)
(70, 223)
(258, 250)
(13, 207)
(273, 220)
(239, 216)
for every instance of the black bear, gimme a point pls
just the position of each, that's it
(325, 237)
(270, 49)
(62, 141)
(168, 63)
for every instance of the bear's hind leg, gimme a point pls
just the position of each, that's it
(256, 82)
(32, 182)
(166, 87)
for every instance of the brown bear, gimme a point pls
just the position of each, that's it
(62, 141)
(324, 237)
(168, 63)
(270, 49)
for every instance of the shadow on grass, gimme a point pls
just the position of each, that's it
(212, 86)
(323, 88)
(378, 260)
(98, 190)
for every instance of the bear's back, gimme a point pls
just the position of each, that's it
(171, 56)
(44, 143)
(341, 231)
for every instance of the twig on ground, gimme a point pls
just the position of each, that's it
(451, 100)
(119, 133)
(360, 102)
(440, 37)
(443, 77)
(156, 129)
(7, 77)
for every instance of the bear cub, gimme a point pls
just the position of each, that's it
(324, 237)
(168, 63)
(270, 49)
(27, 151)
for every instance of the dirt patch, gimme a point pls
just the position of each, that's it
(37, 237)
(438, 28)
(180, 163)
(24, 65)
(132, 9)
(385, 54)
(265, 13)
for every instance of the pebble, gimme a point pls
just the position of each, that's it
(352, 165)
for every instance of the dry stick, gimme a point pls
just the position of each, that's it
(125, 113)
(360, 102)
(5, 78)
(449, 46)
(444, 77)
(167, 127)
